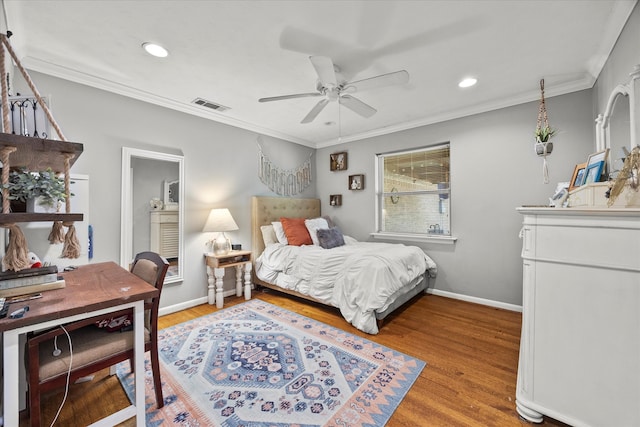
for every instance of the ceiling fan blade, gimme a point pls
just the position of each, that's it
(395, 78)
(324, 68)
(297, 95)
(315, 111)
(357, 106)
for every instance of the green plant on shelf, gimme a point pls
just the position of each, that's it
(45, 186)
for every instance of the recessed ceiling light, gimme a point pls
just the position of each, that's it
(467, 82)
(155, 50)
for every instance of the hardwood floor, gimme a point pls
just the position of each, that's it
(470, 378)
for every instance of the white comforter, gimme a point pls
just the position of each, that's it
(359, 278)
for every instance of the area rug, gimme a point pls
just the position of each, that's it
(258, 365)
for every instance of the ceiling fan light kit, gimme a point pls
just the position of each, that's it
(331, 87)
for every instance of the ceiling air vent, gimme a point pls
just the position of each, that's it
(209, 104)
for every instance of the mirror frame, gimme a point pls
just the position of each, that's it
(126, 223)
(630, 91)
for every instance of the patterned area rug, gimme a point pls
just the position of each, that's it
(258, 365)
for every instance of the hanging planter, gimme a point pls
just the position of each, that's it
(543, 145)
(543, 148)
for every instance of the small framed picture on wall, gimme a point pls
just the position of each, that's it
(338, 161)
(356, 182)
(335, 200)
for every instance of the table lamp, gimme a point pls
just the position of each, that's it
(220, 220)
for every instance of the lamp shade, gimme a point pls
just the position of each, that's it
(220, 220)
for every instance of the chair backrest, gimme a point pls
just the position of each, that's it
(152, 268)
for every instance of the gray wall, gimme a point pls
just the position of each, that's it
(494, 169)
(220, 168)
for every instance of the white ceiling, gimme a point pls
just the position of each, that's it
(234, 52)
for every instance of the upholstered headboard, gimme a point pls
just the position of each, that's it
(264, 210)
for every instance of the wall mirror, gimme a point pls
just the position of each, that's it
(149, 177)
(619, 131)
(618, 127)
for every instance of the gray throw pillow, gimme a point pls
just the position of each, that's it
(330, 237)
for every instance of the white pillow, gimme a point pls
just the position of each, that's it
(277, 227)
(268, 235)
(313, 225)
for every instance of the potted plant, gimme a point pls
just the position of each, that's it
(543, 136)
(27, 188)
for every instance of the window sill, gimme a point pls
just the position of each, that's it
(446, 240)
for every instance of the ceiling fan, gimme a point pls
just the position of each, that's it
(332, 87)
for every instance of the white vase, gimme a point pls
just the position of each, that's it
(34, 206)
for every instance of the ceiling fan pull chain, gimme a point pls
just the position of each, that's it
(339, 122)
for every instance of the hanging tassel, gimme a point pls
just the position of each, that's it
(57, 233)
(16, 258)
(71, 247)
(545, 171)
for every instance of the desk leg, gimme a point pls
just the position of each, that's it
(11, 403)
(138, 359)
(239, 280)
(247, 281)
(211, 293)
(219, 273)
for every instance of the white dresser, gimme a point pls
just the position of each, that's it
(164, 233)
(580, 344)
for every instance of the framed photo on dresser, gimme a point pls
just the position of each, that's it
(596, 166)
(578, 176)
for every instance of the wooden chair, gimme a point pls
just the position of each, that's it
(94, 348)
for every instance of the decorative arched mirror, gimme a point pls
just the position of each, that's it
(617, 128)
(152, 211)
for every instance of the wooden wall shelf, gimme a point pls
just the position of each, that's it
(36, 154)
(39, 217)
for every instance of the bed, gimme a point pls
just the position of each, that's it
(366, 281)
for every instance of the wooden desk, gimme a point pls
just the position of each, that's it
(91, 290)
(215, 268)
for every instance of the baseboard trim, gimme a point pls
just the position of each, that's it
(491, 303)
(476, 300)
(182, 306)
(188, 304)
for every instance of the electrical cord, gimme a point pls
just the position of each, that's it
(66, 388)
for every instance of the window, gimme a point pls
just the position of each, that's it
(413, 194)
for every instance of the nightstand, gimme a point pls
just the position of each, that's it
(216, 264)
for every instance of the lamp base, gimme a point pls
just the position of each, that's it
(221, 245)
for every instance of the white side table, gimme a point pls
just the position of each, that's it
(216, 264)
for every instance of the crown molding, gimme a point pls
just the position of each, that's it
(75, 76)
(586, 82)
(65, 73)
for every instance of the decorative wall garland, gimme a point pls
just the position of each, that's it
(284, 182)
